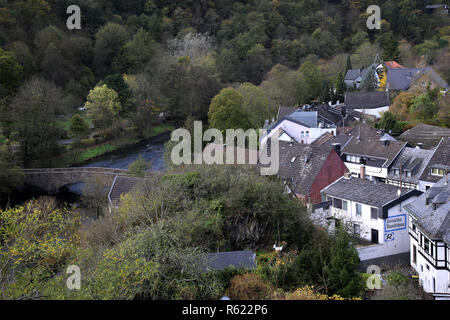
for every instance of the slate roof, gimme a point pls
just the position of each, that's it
(352, 74)
(434, 222)
(334, 115)
(284, 111)
(237, 259)
(411, 159)
(121, 185)
(307, 118)
(364, 191)
(400, 79)
(300, 164)
(439, 159)
(323, 139)
(428, 135)
(342, 139)
(369, 145)
(366, 100)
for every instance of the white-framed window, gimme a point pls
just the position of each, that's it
(396, 172)
(306, 133)
(408, 174)
(358, 209)
(344, 205)
(302, 133)
(437, 172)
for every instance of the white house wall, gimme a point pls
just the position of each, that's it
(377, 112)
(425, 269)
(355, 168)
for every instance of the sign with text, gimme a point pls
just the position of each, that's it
(395, 223)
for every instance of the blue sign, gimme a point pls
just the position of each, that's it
(395, 223)
(389, 236)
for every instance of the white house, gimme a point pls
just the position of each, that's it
(373, 103)
(429, 231)
(369, 154)
(300, 126)
(374, 212)
(439, 162)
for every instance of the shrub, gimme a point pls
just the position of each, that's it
(249, 286)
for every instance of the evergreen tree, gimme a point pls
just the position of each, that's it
(349, 64)
(342, 271)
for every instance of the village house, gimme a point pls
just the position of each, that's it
(435, 169)
(373, 102)
(374, 212)
(306, 169)
(300, 126)
(354, 77)
(408, 167)
(414, 80)
(429, 232)
(424, 135)
(370, 153)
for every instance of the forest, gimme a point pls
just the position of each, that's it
(70, 95)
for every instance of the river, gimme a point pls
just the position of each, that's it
(152, 150)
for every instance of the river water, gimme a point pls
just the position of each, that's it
(152, 150)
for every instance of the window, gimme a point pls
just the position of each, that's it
(421, 267)
(302, 133)
(348, 158)
(414, 227)
(374, 213)
(337, 203)
(396, 172)
(344, 205)
(427, 187)
(358, 209)
(414, 254)
(306, 133)
(428, 267)
(426, 245)
(408, 174)
(437, 172)
(357, 229)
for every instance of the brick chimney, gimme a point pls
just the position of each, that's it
(363, 172)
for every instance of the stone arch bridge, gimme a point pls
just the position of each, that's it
(52, 179)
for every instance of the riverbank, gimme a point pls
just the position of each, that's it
(83, 156)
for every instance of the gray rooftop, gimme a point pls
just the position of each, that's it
(122, 185)
(308, 118)
(366, 100)
(400, 79)
(364, 191)
(352, 74)
(440, 159)
(300, 164)
(369, 145)
(427, 135)
(411, 159)
(236, 259)
(433, 218)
